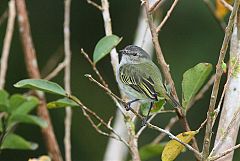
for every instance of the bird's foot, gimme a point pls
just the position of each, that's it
(144, 121)
(128, 106)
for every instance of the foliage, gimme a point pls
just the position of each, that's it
(104, 46)
(15, 110)
(193, 79)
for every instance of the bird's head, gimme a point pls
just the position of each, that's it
(134, 54)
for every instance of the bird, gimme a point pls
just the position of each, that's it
(140, 79)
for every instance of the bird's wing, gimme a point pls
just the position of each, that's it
(139, 79)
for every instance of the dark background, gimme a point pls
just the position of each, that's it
(190, 36)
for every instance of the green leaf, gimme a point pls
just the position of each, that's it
(156, 107)
(4, 100)
(104, 46)
(42, 85)
(193, 79)
(151, 150)
(29, 119)
(15, 101)
(27, 106)
(13, 141)
(64, 102)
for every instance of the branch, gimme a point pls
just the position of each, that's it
(114, 62)
(224, 153)
(53, 62)
(228, 6)
(94, 68)
(149, 125)
(166, 70)
(107, 125)
(156, 5)
(219, 71)
(174, 120)
(56, 70)
(167, 128)
(67, 77)
(7, 42)
(33, 71)
(95, 5)
(229, 121)
(167, 15)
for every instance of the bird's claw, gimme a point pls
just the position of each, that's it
(128, 107)
(144, 121)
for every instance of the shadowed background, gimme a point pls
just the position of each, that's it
(190, 36)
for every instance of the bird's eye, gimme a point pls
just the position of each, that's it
(134, 54)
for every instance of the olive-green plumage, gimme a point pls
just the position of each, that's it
(144, 79)
(140, 78)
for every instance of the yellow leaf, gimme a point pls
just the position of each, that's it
(173, 148)
(221, 10)
(41, 158)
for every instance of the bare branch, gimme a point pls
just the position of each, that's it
(7, 42)
(67, 77)
(33, 71)
(156, 5)
(219, 71)
(228, 6)
(149, 125)
(166, 70)
(85, 110)
(224, 153)
(95, 5)
(56, 70)
(167, 15)
(94, 68)
(167, 128)
(52, 62)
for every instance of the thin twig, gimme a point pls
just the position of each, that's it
(224, 153)
(149, 125)
(156, 5)
(56, 70)
(85, 110)
(170, 124)
(7, 43)
(174, 120)
(144, 127)
(219, 71)
(175, 138)
(95, 5)
(94, 68)
(167, 15)
(202, 125)
(228, 6)
(33, 72)
(52, 62)
(226, 86)
(221, 140)
(166, 70)
(67, 77)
